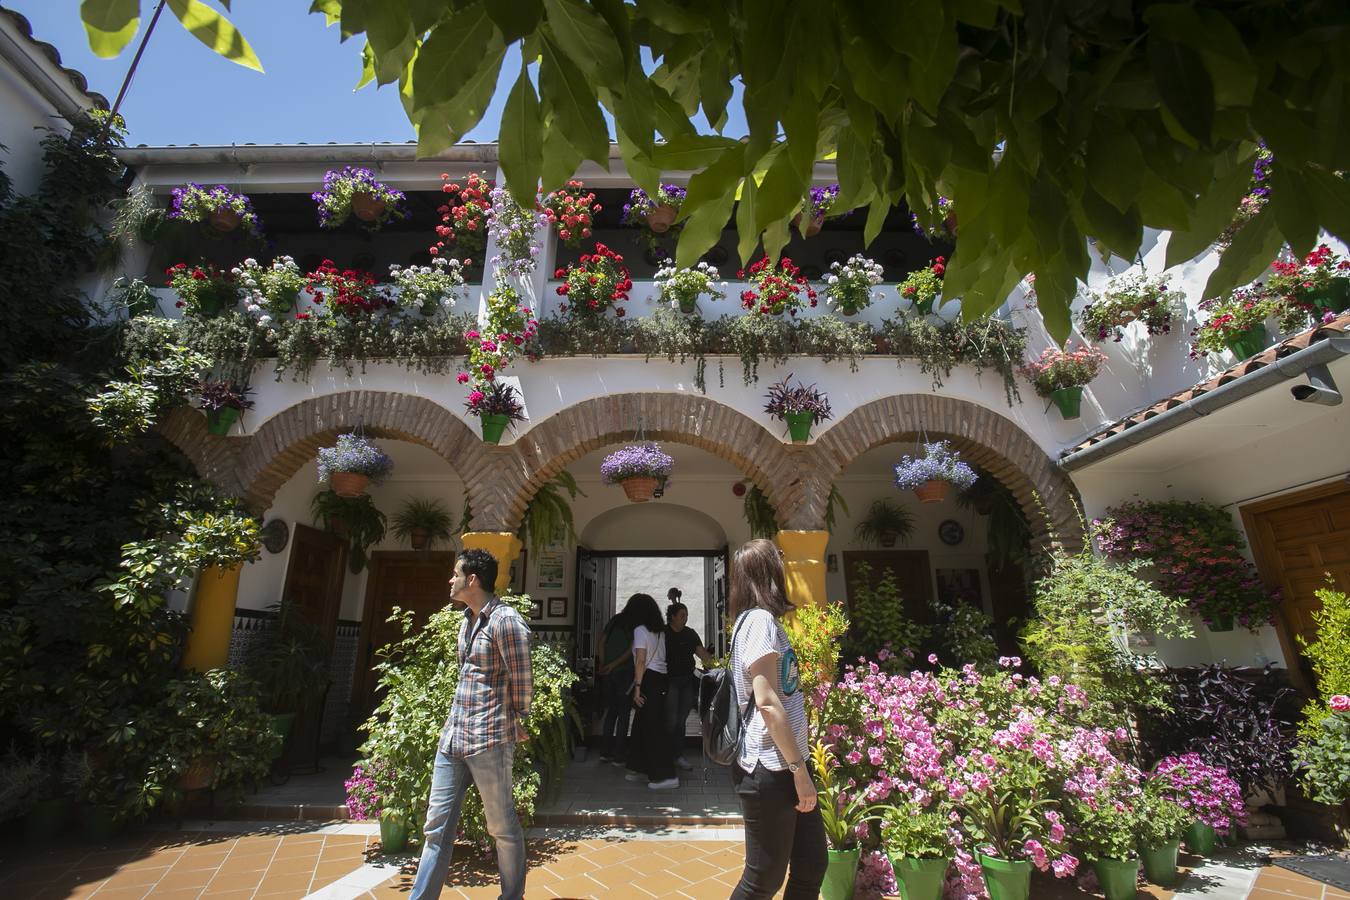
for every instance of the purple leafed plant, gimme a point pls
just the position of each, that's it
(939, 463)
(784, 399)
(495, 398)
(644, 460)
(218, 395)
(353, 453)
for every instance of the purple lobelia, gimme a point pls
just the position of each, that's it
(642, 460)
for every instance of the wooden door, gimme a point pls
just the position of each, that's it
(314, 578)
(410, 580)
(912, 576)
(1299, 541)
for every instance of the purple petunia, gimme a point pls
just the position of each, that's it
(644, 460)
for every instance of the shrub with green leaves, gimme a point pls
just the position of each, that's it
(1160, 819)
(881, 630)
(915, 832)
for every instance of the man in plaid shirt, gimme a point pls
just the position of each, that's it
(478, 742)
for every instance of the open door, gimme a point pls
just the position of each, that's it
(715, 609)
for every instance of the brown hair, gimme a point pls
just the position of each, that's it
(757, 580)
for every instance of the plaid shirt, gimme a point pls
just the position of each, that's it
(495, 685)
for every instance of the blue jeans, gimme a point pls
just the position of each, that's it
(490, 772)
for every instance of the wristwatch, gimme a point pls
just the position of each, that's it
(793, 767)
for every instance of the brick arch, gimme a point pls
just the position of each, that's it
(276, 451)
(564, 437)
(214, 458)
(984, 438)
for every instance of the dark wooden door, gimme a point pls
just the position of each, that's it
(410, 580)
(314, 578)
(912, 576)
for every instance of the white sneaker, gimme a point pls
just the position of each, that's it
(669, 784)
(630, 775)
(684, 764)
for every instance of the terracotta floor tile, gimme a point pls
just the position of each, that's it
(258, 862)
(136, 877)
(578, 886)
(177, 880)
(137, 892)
(235, 881)
(232, 894)
(293, 866)
(1265, 893)
(177, 894)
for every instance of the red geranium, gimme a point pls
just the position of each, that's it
(349, 292)
(570, 211)
(778, 288)
(600, 282)
(464, 220)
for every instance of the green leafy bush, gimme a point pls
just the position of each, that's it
(881, 630)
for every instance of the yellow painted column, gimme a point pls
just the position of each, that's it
(503, 545)
(804, 560)
(208, 644)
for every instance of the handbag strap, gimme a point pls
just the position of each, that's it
(750, 707)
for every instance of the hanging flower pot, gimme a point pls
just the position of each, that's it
(801, 406)
(1221, 623)
(1335, 297)
(368, 207)
(888, 538)
(688, 305)
(931, 492)
(1062, 374)
(217, 208)
(661, 218)
(920, 879)
(225, 220)
(1005, 879)
(496, 404)
(640, 490)
(348, 484)
(929, 476)
(640, 468)
(493, 425)
(352, 464)
(1160, 863)
(1069, 400)
(813, 225)
(799, 425)
(1117, 876)
(841, 873)
(418, 538)
(220, 421)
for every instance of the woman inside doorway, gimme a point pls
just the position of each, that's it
(616, 674)
(649, 756)
(682, 644)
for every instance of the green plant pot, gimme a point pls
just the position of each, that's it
(841, 871)
(97, 823)
(1069, 400)
(1160, 863)
(1221, 624)
(1005, 879)
(799, 426)
(493, 426)
(1335, 297)
(220, 421)
(46, 820)
(210, 306)
(924, 307)
(919, 879)
(688, 305)
(1200, 839)
(280, 725)
(1118, 877)
(1248, 343)
(393, 834)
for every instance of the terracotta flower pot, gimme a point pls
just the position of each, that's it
(660, 219)
(419, 538)
(348, 484)
(198, 775)
(225, 220)
(812, 227)
(640, 489)
(368, 207)
(931, 491)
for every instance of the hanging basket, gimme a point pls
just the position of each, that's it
(812, 227)
(640, 490)
(220, 421)
(225, 220)
(368, 207)
(1069, 400)
(660, 219)
(348, 484)
(799, 426)
(931, 491)
(493, 425)
(419, 538)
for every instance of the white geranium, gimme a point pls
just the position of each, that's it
(850, 286)
(428, 289)
(681, 288)
(271, 289)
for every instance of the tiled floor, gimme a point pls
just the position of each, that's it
(1281, 884)
(593, 791)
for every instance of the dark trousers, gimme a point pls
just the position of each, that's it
(618, 705)
(650, 750)
(778, 840)
(679, 701)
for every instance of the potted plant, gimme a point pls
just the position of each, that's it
(1132, 297)
(884, 523)
(641, 468)
(929, 476)
(1321, 280)
(1237, 323)
(348, 293)
(800, 406)
(422, 523)
(204, 291)
(849, 287)
(1324, 734)
(598, 283)
(1208, 793)
(1161, 825)
(224, 402)
(548, 515)
(1062, 374)
(842, 810)
(355, 191)
(464, 218)
(945, 217)
(288, 661)
(655, 216)
(1107, 825)
(818, 206)
(218, 208)
(681, 288)
(922, 286)
(777, 288)
(514, 229)
(272, 290)
(496, 404)
(570, 212)
(369, 792)
(351, 464)
(917, 842)
(428, 290)
(357, 519)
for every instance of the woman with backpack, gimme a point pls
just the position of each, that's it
(784, 834)
(616, 673)
(649, 757)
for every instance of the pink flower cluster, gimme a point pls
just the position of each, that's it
(1207, 792)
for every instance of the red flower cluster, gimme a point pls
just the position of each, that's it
(600, 282)
(352, 292)
(202, 289)
(464, 221)
(569, 211)
(778, 288)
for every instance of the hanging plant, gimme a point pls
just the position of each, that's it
(943, 218)
(800, 406)
(928, 476)
(1321, 281)
(204, 291)
(1062, 375)
(655, 216)
(548, 516)
(884, 524)
(1237, 323)
(778, 288)
(428, 290)
(510, 324)
(352, 464)
(641, 468)
(350, 293)
(760, 514)
(514, 228)
(223, 402)
(923, 286)
(271, 291)
(598, 283)
(1257, 196)
(422, 523)
(681, 288)
(356, 519)
(464, 220)
(496, 404)
(218, 208)
(355, 191)
(570, 212)
(849, 287)
(818, 207)
(1132, 297)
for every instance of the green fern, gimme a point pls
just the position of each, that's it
(549, 515)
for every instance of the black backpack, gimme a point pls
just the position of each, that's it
(723, 721)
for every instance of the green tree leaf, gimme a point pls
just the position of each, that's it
(1213, 212)
(215, 31)
(521, 143)
(515, 18)
(572, 104)
(1184, 84)
(692, 152)
(1252, 250)
(454, 54)
(110, 24)
(586, 38)
(560, 159)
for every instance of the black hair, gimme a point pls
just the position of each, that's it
(641, 609)
(481, 563)
(674, 595)
(674, 608)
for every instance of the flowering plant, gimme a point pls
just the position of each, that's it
(350, 293)
(495, 398)
(844, 810)
(1322, 755)
(218, 207)
(428, 289)
(1207, 792)
(1102, 799)
(270, 291)
(945, 217)
(1306, 282)
(569, 211)
(203, 291)
(939, 463)
(1243, 309)
(1257, 196)
(1160, 819)
(783, 399)
(514, 227)
(819, 205)
(464, 221)
(355, 190)
(914, 831)
(1132, 297)
(367, 789)
(681, 288)
(777, 288)
(1058, 369)
(923, 286)
(655, 216)
(643, 460)
(217, 395)
(849, 285)
(509, 325)
(598, 283)
(353, 453)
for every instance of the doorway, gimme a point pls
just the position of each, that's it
(412, 580)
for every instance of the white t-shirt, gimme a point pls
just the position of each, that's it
(654, 644)
(759, 634)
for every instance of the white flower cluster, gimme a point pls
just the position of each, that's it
(270, 291)
(681, 288)
(849, 285)
(428, 289)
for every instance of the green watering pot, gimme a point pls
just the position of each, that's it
(1118, 877)
(1248, 343)
(1069, 400)
(1200, 839)
(393, 834)
(1005, 879)
(493, 426)
(841, 871)
(1160, 863)
(920, 879)
(799, 425)
(220, 421)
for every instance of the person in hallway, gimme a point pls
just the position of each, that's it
(682, 644)
(616, 674)
(649, 757)
(478, 742)
(784, 834)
